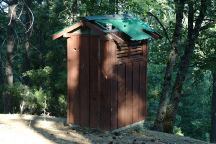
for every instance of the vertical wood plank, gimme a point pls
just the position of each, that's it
(113, 86)
(94, 113)
(142, 92)
(145, 53)
(70, 118)
(73, 61)
(136, 92)
(84, 80)
(103, 87)
(142, 104)
(107, 71)
(121, 95)
(129, 91)
(108, 105)
(100, 56)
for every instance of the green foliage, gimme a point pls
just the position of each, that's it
(177, 131)
(205, 53)
(32, 99)
(39, 77)
(193, 118)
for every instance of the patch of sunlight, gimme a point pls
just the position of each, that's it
(178, 131)
(196, 123)
(155, 93)
(199, 52)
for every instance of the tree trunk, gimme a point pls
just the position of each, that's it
(1, 73)
(193, 34)
(1, 68)
(175, 97)
(166, 89)
(27, 21)
(113, 6)
(117, 7)
(75, 10)
(9, 52)
(213, 111)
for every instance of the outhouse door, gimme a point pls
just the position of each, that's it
(83, 69)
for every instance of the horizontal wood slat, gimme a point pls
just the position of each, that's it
(129, 52)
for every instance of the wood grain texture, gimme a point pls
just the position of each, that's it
(104, 91)
(113, 86)
(136, 88)
(73, 79)
(129, 94)
(121, 96)
(94, 82)
(84, 81)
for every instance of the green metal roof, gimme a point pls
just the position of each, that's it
(132, 27)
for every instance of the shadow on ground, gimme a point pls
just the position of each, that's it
(50, 130)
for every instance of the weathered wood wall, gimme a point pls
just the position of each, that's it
(106, 89)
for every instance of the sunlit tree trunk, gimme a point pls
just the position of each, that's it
(213, 111)
(9, 60)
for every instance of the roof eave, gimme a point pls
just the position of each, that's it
(65, 31)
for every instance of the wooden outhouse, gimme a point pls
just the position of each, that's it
(107, 65)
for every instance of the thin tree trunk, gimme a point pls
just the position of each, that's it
(112, 4)
(166, 89)
(75, 10)
(27, 62)
(193, 34)
(9, 60)
(116, 7)
(1, 68)
(175, 97)
(213, 111)
(1, 73)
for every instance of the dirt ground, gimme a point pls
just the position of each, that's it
(30, 129)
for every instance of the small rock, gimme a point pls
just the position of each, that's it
(134, 141)
(116, 133)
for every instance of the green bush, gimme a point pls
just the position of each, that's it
(33, 101)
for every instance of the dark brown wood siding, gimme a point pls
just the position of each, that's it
(106, 86)
(94, 79)
(73, 64)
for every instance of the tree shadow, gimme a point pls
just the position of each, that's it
(54, 129)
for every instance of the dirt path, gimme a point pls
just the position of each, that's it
(28, 129)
